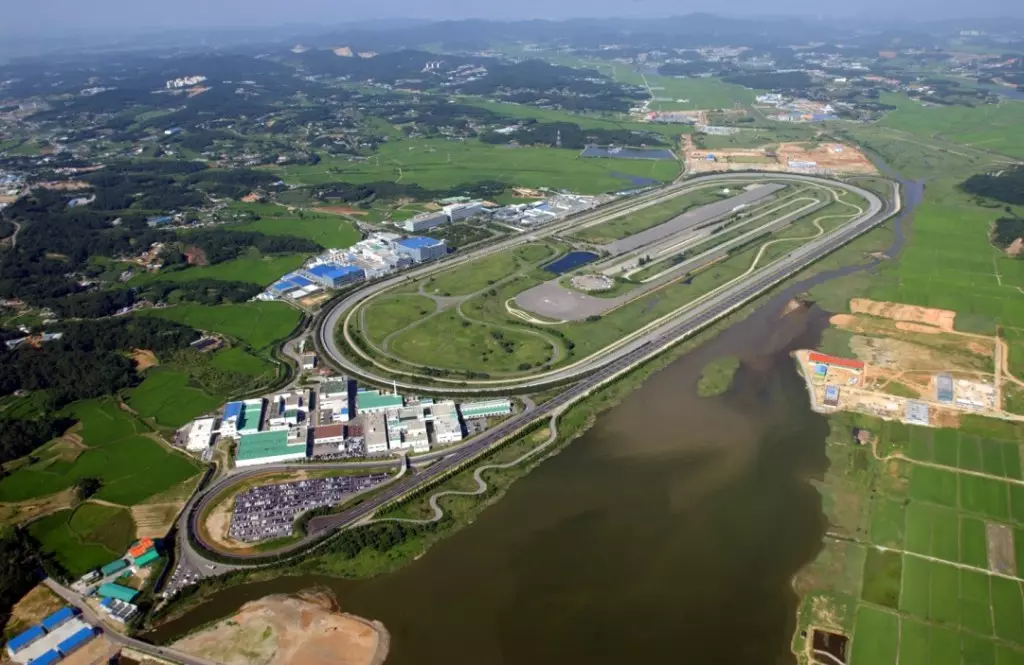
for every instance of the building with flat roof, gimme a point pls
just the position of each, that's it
(486, 409)
(334, 276)
(446, 423)
(944, 390)
(373, 401)
(117, 591)
(309, 360)
(269, 448)
(407, 429)
(459, 211)
(329, 434)
(333, 402)
(375, 433)
(200, 435)
(425, 221)
(421, 249)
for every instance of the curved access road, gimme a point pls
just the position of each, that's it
(341, 312)
(691, 321)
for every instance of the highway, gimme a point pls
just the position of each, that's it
(341, 311)
(598, 373)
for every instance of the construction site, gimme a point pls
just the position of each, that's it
(908, 363)
(806, 158)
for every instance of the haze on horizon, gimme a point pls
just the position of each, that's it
(56, 17)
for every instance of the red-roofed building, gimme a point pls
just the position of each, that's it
(846, 363)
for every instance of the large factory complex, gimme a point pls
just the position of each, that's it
(335, 419)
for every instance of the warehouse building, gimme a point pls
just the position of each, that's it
(25, 639)
(289, 284)
(271, 447)
(445, 418)
(486, 409)
(288, 410)
(113, 567)
(421, 249)
(326, 434)
(333, 401)
(459, 211)
(123, 593)
(55, 637)
(200, 435)
(375, 433)
(334, 276)
(76, 641)
(373, 401)
(425, 221)
(944, 388)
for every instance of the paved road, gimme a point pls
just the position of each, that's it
(117, 638)
(330, 348)
(690, 322)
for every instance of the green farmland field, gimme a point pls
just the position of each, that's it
(252, 267)
(441, 164)
(166, 396)
(116, 449)
(86, 537)
(323, 228)
(258, 324)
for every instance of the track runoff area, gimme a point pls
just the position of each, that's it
(605, 367)
(497, 320)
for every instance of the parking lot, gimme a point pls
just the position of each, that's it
(269, 511)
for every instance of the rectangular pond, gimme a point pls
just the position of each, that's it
(570, 261)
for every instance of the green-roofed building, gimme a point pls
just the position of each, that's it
(373, 401)
(251, 418)
(268, 448)
(486, 409)
(148, 557)
(113, 567)
(118, 592)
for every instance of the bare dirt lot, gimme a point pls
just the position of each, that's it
(825, 158)
(942, 319)
(36, 604)
(144, 359)
(287, 630)
(342, 210)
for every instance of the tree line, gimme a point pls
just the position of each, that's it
(1006, 186)
(570, 135)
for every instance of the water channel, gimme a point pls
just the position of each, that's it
(669, 532)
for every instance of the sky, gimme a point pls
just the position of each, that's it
(62, 16)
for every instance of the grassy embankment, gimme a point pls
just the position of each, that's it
(924, 559)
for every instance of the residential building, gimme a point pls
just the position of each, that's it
(334, 276)
(200, 435)
(425, 221)
(421, 249)
(486, 409)
(270, 448)
(445, 418)
(373, 401)
(375, 433)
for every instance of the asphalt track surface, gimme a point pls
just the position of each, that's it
(340, 311)
(689, 322)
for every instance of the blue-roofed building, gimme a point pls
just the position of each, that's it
(48, 658)
(421, 249)
(59, 618)
(22, 640)
(283, 286)
(334, 276)
(77, 641)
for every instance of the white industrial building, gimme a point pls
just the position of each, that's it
(375, 433)
(459, 211)
(288, 410)
(407, 429)
(424, 221)
(333, 401)
(200, 435)
(447, 427)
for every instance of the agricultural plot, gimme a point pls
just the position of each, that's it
(258, 324)
(86, 537)
(167, 397)
(115, 448)
(252, 267)
(927, 576)
(440, 164)
(323, 228)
